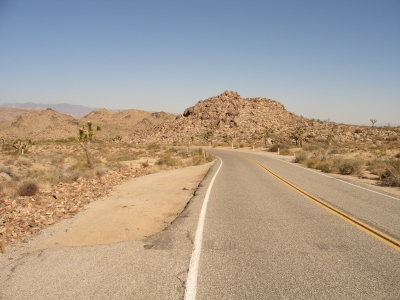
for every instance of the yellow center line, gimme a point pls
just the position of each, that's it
(388, 240)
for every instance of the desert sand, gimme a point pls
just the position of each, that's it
(134, 210)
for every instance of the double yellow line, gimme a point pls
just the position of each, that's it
(388, 240)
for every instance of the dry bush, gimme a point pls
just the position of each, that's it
(282, 148)
(122, 156)
(301, 157)
(312, 162)
(23, 162)
(349, 166)
(28, 188)
(101, 171)
(312, 147)
(154, 147)
(43, 175)
(8, 189)
(326, 166)
(392, 174)
(9, 162)
(376, 167)
(169, 161)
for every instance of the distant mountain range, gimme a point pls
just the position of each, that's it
(77, 111)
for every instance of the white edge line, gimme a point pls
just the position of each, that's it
(191, 281)
(304, 168)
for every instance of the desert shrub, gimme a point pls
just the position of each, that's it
(199, 160)
(122, 156)
(28, 188)
(392, 138)
(8, 189)
(9, 162)
(101, 171)
(171, 151)
(376, 167)
(312, 163)
(283, 149)
(153, 146)
(349, 166)
(168, 161)
(326, 166)
(311, 147)
(52, 176)
(301, 157)
(113, 165)
(392, 175)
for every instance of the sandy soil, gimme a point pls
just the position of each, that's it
(134, 210)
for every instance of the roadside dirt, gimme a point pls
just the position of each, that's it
(134, 210)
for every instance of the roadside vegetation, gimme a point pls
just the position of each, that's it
(46, 163)
(359, 160)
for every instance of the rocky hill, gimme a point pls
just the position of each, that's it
(224, 118)
(77, 111)
(117, 125)
(44, 124)
(229, 117)
(9, 114)
(49, 124)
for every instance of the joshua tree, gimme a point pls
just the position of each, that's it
(86, 135)
(228, 139)
(207, 135)
(21, 145)
(373, 121)
(298, 137)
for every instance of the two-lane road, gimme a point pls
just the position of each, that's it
(244, 235)
(264, 240)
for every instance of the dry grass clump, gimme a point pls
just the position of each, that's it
(28, 188)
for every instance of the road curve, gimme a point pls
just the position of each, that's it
(263, 240)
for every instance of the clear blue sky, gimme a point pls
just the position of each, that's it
(337, 59)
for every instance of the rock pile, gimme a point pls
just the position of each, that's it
(228, 116)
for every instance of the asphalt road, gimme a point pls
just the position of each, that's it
(261, 240)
